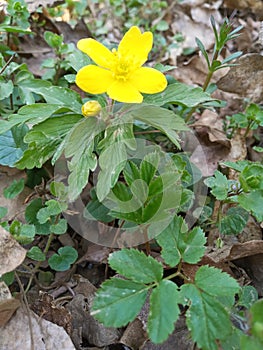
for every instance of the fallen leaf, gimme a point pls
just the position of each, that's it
(8, 304)
(245, 78)
(11, 253)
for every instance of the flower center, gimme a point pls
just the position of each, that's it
(123, 66)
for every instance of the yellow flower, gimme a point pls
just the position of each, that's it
(119, 73)
(91, 108)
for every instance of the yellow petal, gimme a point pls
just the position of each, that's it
(93, 79)
(97, 52)
(136, 44)
(123, 91)
(148, 80)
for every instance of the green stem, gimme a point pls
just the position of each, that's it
(35, 269)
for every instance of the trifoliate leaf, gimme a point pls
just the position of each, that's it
(118, 302)
(135, 265)
(164, 311)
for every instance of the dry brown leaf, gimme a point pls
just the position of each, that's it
(256, 6)
(11, 253)
(8, 304)
(245, 78)
(15, 335)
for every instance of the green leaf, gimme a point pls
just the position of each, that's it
(25, 234)
(3, 212)
(178, 244)
(249, 343)
(28, 87)
(31, 216)
(234, 221)
(35, 253)
(251, 177)
(14, 189)
(6, 89)
(162, 119)
(10, 149)
(206, 318)
(219, 185)
(164, 311)
(52, 208)
(181, 94)
(62, 261)
(135, 265)
(60, 227)
(256, 311)
(216, 283)
(247, 296)
(252, 202)
(118, 302)
(149, 166)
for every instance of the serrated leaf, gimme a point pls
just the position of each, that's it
(162, 119)
(164, 311)
(247, 296)
(181, 94)
(14, 189)
(62, 261)
(219, 185)
(135, 265)
(206, 318)
(118, 302)
(215, 282)
(234, 221)
(178, 244)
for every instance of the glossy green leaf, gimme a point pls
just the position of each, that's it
(62, 261)
(118, 302)
(164, 311)
(135, 265)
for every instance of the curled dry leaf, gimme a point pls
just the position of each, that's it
(11, 253)
(245, 79)
(8, 304)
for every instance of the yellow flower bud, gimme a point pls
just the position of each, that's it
(91, 108)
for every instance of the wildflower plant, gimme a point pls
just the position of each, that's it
(141, 190)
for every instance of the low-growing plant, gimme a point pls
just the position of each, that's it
(122, 144)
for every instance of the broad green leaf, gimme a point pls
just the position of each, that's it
(10, 151)
(219, 185)
(14, 189)
(31, 216)
(206, 318)
(112, 161)
(215, 282)
(181, 94)
(234, 221)
(135, 265)
(78, 59)
(178, 244)
(61, 96)
(44, 139)
(251, 177)
(35, 253)
(6, 89)
(52, 208)
(149, 166)
(250, 342)
(164, 311)
(256, 312)
(162, 119)
(118, 302)
(62, 261)
(252, 202)
(28, 87)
